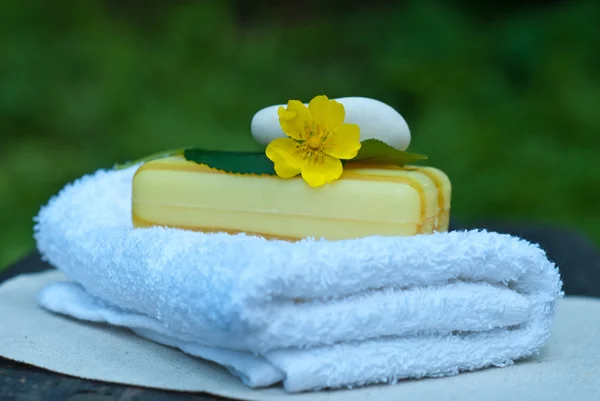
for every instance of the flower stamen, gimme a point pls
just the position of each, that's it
(314, 142)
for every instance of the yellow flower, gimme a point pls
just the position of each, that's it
(318, 139)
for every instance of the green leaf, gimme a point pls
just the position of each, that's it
(232, 162)
(151, 157)
(378, 152)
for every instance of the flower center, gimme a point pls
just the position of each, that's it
(314, 142)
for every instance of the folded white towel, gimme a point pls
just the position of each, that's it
(313, 314)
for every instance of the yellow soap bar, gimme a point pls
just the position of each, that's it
(364, 201)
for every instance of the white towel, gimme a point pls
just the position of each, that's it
(312, 314)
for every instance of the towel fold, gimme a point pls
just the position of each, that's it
(312, 314)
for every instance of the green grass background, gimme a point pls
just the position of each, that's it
(505, 99)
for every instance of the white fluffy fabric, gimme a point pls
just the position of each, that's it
(312, 314)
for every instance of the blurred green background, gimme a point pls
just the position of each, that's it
(503, 97)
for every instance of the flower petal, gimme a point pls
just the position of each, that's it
(287, 156)
(327, 114)
(343, 142)
(323, 170)
(294, 119)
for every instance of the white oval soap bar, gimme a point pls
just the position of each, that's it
(376, 120)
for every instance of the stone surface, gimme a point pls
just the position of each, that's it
(376, 120)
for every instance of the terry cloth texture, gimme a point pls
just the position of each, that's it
(312, 314)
